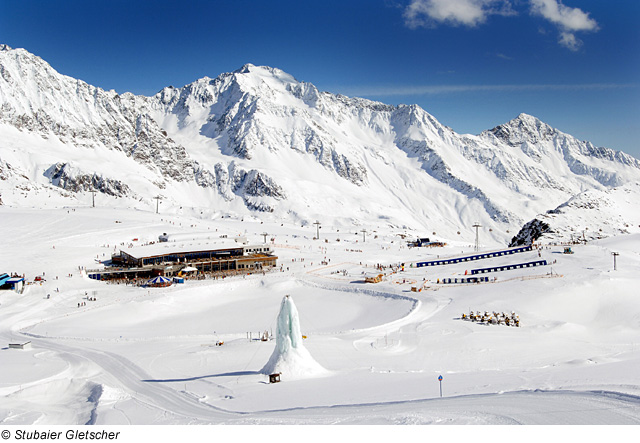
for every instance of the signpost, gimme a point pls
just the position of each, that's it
(440, 380)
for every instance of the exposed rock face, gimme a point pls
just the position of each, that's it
(233, 181)
(258, 139)
(5, 170)
(246, 113)
(530, 232)
(590, 215)
(537, 140)
(36, 99)
(63, 176)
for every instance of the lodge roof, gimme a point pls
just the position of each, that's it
(165, 248)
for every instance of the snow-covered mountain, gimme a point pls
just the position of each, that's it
(258, 142)
(590, 215)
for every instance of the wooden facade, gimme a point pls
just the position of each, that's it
(227, 259)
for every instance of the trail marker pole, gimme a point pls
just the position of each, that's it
(615, 254)
(440, 380)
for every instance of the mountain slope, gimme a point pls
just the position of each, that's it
(257, 141)
(590, 215)
(541, 143)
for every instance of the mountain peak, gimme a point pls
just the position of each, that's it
(246, 68)
(527, 120)
(523, 128)
(251, 68)
(4, 47)
(266, 71)
(253, 138)
(523, 117)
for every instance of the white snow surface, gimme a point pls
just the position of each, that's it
(256, 142)
(149, 356)
(257, 154)
(595, 214)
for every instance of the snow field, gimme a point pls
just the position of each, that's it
(145, 356)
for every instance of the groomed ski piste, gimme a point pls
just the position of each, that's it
(192, 353)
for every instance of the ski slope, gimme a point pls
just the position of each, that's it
(149, 356)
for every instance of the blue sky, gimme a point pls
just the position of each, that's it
(473, 64)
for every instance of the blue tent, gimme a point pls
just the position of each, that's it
(159, 281)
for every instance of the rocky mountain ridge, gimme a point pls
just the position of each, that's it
(256, 140)
(590, 215)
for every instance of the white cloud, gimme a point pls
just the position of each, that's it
(471, 13)
(504, 56)
(452, 89)
(569, 20)
(570, 41)
(455, 12)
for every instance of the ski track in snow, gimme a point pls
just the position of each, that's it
(518, 407)
(550, 371)
(259, 138)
